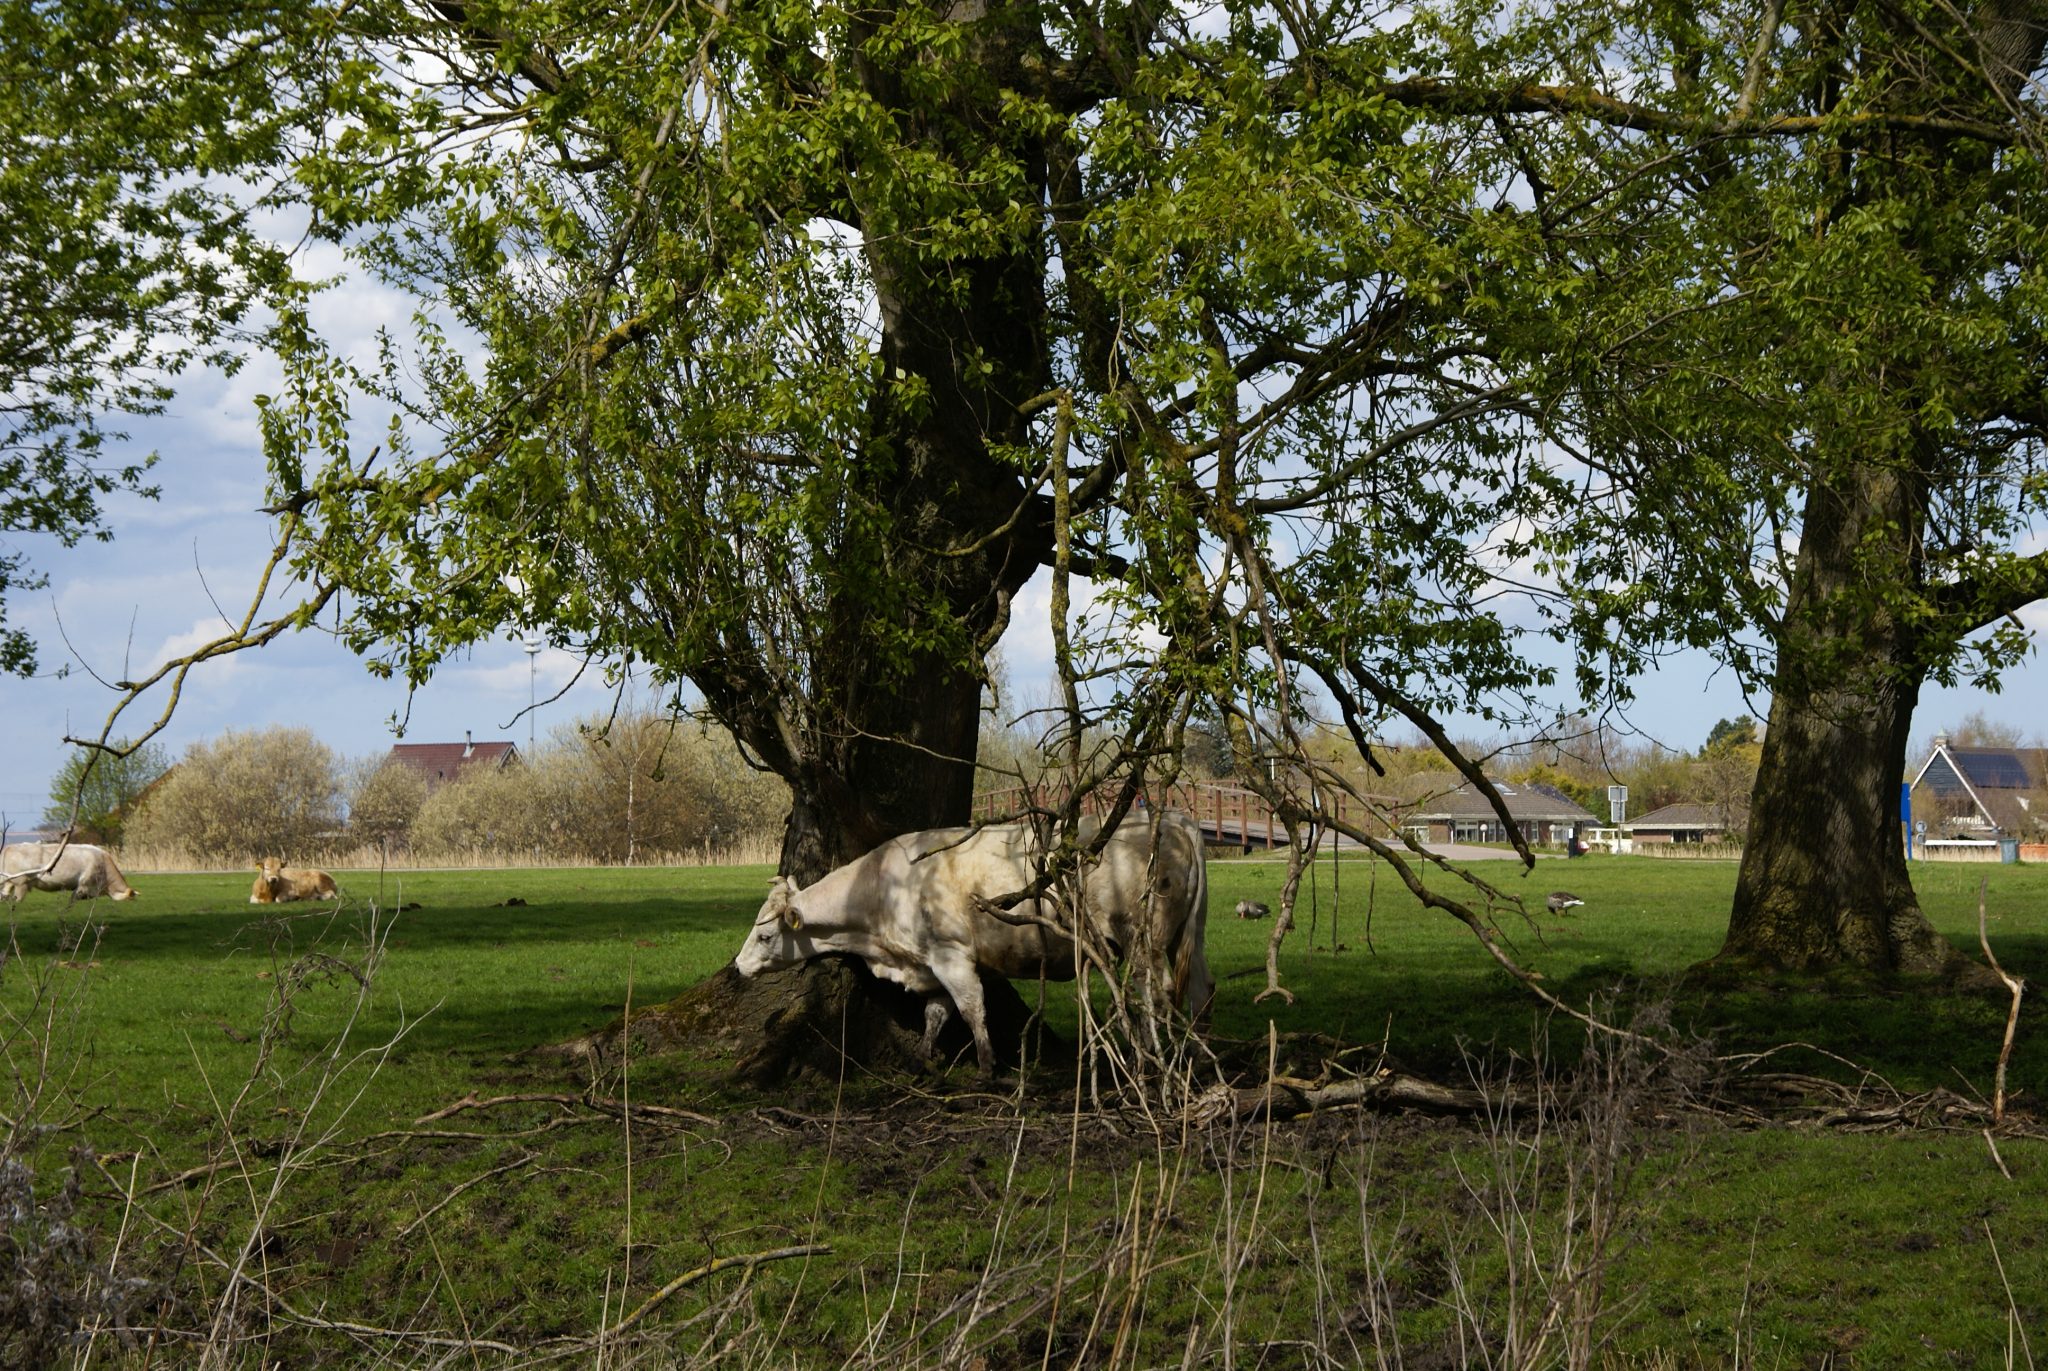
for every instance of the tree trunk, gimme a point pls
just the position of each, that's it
(893, 773)
(831, 1017)
(896, 688)
(1824, 880)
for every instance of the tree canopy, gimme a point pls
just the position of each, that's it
(94, 793)
(1318, 351)
(124, 255)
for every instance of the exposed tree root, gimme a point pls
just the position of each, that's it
(827, 1016)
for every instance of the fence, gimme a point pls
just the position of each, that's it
(1227, 814)
(1723, 852)
(1955, 850)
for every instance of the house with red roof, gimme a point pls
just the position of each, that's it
(440, 763)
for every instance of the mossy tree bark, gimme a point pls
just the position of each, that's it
(1824, 879)
(1896, 566)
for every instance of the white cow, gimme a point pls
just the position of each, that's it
(79, 868)
(908, 909)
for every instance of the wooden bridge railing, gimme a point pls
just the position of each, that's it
(1226, 813)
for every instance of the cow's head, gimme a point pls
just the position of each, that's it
(777, 938)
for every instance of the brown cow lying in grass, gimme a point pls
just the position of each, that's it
(279, 883)
(79, 868)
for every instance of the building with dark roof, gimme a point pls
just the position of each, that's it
(1679, 823)
(1543, 813)
(1982, 792)
(440, 763)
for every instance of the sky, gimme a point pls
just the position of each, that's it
(115, 610)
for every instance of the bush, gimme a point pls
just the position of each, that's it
(515, 811)
(645, 788)
(244, 795)
(384, 801)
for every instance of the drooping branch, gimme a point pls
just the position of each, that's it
(2002, 589)
(239, 638)
(1450, 97)
(1384, 692)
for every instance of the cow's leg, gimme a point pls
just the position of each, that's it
(957, 973)
(936, 1012)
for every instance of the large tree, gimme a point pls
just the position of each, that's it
(775, 348)
(778, 348)
(1810, 389)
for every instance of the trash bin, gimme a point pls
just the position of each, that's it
(2008, 849)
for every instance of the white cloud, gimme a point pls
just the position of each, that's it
(1027, 645)
(550, 670)
(204, 630)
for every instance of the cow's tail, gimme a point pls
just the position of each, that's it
(1193, 987)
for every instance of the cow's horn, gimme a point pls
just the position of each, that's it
(780, 892)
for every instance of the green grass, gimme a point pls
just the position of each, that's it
(1794, 1245)
(1422, 980)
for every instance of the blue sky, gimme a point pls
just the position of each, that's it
(118, 609)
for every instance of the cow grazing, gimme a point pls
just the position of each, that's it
(279, 883)
(79, 868)
(910, 910)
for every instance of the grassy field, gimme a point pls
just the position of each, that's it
(257, 1175)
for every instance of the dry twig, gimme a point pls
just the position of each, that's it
(2018, 986)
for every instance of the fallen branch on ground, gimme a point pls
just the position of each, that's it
(603, 1104)
(523, 1159)
(1287, 1098)
(712, 1268)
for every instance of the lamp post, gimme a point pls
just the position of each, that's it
(530, 644)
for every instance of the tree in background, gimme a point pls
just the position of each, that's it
(521, 811)
(273, 792)
(1727, 735)
(1810, 403)
(1975, 729)
(636, 786)
(624, 780)
(743, 804)
(98, 796)
(384, 800)
(1588, 795)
